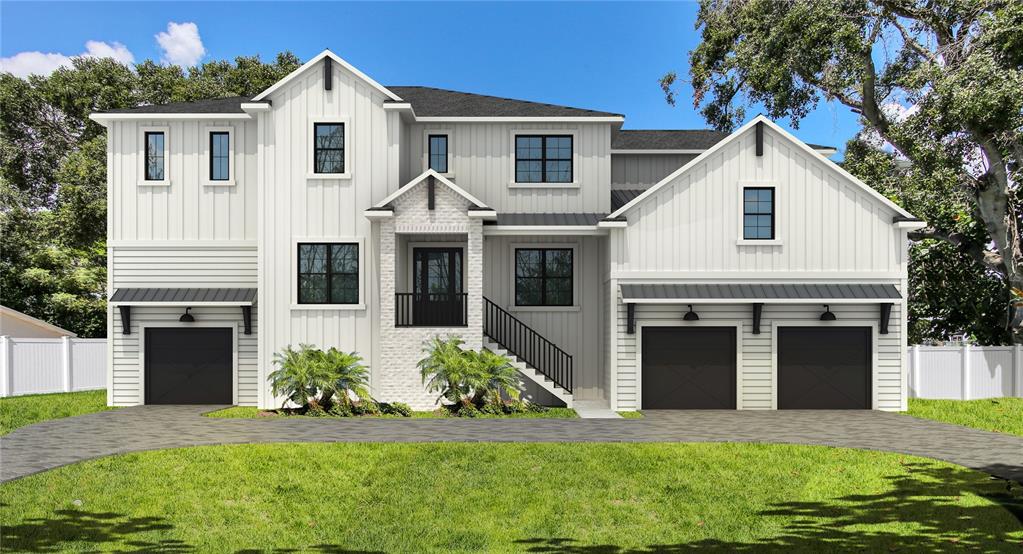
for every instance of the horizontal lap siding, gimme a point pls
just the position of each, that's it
(185, 267)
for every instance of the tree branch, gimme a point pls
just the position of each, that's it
(989, 259)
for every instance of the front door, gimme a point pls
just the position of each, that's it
(437, 286)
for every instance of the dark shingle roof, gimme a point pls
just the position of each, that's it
(231, 104)
(671, 139)
(548, 219)
(435, 102)
(197, 295)
(620, 198)
(760, 292)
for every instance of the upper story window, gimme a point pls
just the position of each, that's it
(543, 277)
(543, 158)
(758, 213)
(328, 273)
(155, 163)
(328, 148)
(438, 153)
(220, 156)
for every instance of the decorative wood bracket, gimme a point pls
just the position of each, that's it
(431, 188)
(125, 319)
(758, 310)
(886, 314)
(630, 326)
(328, 66)
(760, 138)
(247, 318)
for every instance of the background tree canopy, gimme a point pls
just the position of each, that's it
(53, 173)
(938, 86)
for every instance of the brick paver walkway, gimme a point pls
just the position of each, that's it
(60, 442)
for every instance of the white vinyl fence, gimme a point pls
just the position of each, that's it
(965, 372)
(35, 366)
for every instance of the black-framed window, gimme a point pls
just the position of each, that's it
(438, 153)
(220, 156)
(543, 277)
(543, 158)
(155, 169)
(328, 273)
(328, 148)
(758, 213)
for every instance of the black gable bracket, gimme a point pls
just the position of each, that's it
(125, 319)
(758, 310)
(886, 314)
(247, 318)
(760, 138)
(431, 187)
(630, 326)
(328, 67)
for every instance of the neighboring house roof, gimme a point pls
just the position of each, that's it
(730, 292)
(673, 139)
(436, 102)
(545, 219)
(620, 198)
(13, 321)
(196, 296)
(232, 104)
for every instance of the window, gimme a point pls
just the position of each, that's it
(220, 156)
(543, 158)
(438, 153)
(328, 273)
(758, 213)
(155, 162)
(328, 148)
(543, 277)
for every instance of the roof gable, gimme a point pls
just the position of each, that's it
(429, 173)
(309, 64)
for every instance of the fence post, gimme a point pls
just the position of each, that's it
(1017, 369)
(65, 362)
(965, 384)
(915, 375)
(5, 366)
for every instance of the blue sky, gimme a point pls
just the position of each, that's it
(605, 56)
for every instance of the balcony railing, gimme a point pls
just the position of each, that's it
(412, 309)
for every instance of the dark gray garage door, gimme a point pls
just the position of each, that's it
(687, 368)
(188, 366)
(825, 368)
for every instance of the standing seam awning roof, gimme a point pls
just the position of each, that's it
(788, 291)
(195, 296)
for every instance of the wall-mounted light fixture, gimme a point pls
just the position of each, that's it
(690, 315)
(827, 315)
(186, 317)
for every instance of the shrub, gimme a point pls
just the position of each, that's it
(341, 409)
(497, 378)
(518, 407)
(366, 407)
(446, 370)
(349, 379)
(300, 378)
(396, 408)
(493, 408)
(537, 408)
(468, 410)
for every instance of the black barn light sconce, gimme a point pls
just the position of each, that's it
(186, 317)
(690, 315)
(827, 315)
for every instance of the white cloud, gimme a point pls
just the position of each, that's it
(181, 44)
(24, 64)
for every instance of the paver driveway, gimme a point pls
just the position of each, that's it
(60, 442)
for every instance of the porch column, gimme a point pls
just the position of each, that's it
(387, 275)
(474, 284)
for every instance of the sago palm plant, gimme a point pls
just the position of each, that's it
(300, 376)
(446, 370)
(498, 377)
(349, 377)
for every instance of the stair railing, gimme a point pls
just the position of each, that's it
(529, 346)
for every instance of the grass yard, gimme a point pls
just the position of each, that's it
(581, 498)
(631, 415)
(1004, 415)
(249, 412)
(19, 411)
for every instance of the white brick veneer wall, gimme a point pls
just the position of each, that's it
(396, 377)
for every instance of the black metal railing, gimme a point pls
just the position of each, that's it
(528, 345)
(413, 309)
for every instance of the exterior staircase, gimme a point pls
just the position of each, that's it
(531, 373)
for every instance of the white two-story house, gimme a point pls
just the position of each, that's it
(627, 269)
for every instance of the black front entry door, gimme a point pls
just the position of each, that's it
(437, 286)
(188, 365)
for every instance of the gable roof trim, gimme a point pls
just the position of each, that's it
(326, 53)
(384, 205)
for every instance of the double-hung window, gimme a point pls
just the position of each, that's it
(543, 277)
(220, 156)
(438, 153)
(758, 213)
(329, 148)
(543, 158)
(155, 163)
(328, 273)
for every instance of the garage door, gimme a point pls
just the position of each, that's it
(188, 366)
(824, 368)
(687, 368)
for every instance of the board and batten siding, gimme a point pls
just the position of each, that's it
(758, 377)
(294, 207)
(577, 330)
(641, 171)
(825, 222)
(483, 158)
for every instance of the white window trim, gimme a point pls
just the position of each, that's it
(310, 133)
(201, 321)
(426, 149)
(142, 181)
(293, 279)
(207, 153)
(777, 240)
(575, 159)
(575, 307)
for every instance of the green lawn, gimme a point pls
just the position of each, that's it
(248, 412)
(1004, 415)
(486, 497)
(19, 411)
(631, 415)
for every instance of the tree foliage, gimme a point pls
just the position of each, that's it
(939, 81)
(53, 173)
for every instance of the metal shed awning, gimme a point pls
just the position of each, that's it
(184, 297)
(787, 293)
